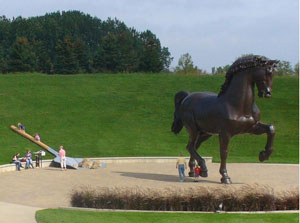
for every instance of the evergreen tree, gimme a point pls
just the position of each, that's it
(81, 56)
(3, 61)
(21, 56)
(98, 60)
(111, 54)
(44, 63)
(150, 58)
(72, 42)
(66, 61)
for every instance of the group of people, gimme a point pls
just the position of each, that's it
(28, 155)
(28, 160)
(29, 163)
(181, 166)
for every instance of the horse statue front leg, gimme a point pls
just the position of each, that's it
(224, 142)
(261, 128)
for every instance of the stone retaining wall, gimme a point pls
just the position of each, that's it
(109, 160)
(169, 159)
(12, 166)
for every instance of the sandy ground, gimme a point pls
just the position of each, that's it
(51, 187)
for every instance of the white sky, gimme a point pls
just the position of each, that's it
(213, 32)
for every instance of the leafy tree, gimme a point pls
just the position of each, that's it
(226, 68)
(222, 70)
(284, 68)
(185, 64)
(296, 69)
(213, 70)
(166, 58)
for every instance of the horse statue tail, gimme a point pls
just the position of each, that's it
(177, 123)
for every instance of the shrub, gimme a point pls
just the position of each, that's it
(246, 198)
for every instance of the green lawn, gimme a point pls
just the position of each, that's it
(67, 216)
(130, 115)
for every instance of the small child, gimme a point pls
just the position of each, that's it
(37, 137)
(21, 127)
(197, 173)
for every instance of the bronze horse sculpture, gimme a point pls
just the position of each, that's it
(231, 112)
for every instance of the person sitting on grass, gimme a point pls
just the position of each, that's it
(21, 127)
(28, 160)
(16, 161)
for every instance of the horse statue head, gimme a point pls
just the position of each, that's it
(264, 79)
(263, 72)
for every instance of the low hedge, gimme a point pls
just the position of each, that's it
(200, 198)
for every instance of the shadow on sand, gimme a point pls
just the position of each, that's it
(164, 177)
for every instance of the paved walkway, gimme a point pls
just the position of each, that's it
(22, 192)
(17, 213)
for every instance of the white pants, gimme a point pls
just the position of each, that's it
(63, 162)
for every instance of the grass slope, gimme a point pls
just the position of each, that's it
(59, 216)
(130, 115)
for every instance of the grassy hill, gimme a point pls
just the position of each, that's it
(130, 115)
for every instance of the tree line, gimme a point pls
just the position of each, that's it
(283, 68)
(186, 66)
(72, 42)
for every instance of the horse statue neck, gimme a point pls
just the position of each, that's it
(240, 93)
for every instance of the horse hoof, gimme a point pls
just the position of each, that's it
(203, 174)
(191, 174)
(263, 156)
(226, 180)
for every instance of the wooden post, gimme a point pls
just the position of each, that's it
(29, 137)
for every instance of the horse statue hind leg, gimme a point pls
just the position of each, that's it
(194, 142)
(195, 137)
(200, 138)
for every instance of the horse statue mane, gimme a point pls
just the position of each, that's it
(241, 64)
